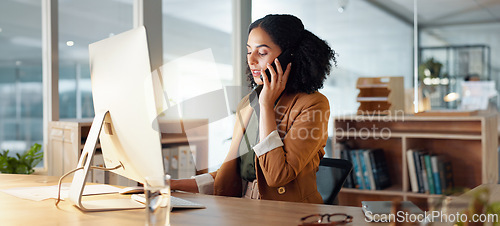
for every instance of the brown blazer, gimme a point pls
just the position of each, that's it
(286, 173)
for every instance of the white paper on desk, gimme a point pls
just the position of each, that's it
(47, 192)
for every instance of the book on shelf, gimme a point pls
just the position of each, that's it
(380, 169)
(357, 169)
(364, 170)
(418, 171)
(430, 177)
(429, 173)
(448, 175)
(370, 169)
(412, 171)
(442, 176)
(423, 171)
(369, 172)
(435, 174)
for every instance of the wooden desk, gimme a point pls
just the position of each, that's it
(219, 211)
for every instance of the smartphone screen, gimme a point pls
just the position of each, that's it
(284, 58)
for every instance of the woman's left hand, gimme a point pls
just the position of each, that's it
(272, 90)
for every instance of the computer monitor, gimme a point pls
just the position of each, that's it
(125, 112)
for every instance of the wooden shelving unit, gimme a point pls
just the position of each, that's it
(470, 143)
(67, 139)
(380, 95)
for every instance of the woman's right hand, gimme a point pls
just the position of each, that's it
(274, 86)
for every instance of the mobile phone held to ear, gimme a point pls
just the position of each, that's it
(284, 58)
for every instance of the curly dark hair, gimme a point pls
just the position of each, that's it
(312, 56)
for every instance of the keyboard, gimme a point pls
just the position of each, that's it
(177, 203)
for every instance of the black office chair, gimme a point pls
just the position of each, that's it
(330, 177)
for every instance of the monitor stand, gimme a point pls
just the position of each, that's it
(78, 183)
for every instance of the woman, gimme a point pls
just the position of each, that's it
(292, 119)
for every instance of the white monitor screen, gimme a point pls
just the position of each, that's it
(122, 84)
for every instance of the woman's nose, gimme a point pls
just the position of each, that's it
(251, 59)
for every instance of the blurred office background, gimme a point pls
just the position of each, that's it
(371, 38)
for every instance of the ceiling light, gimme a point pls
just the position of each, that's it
(342, 5)
(0, 29)
(70, 43)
